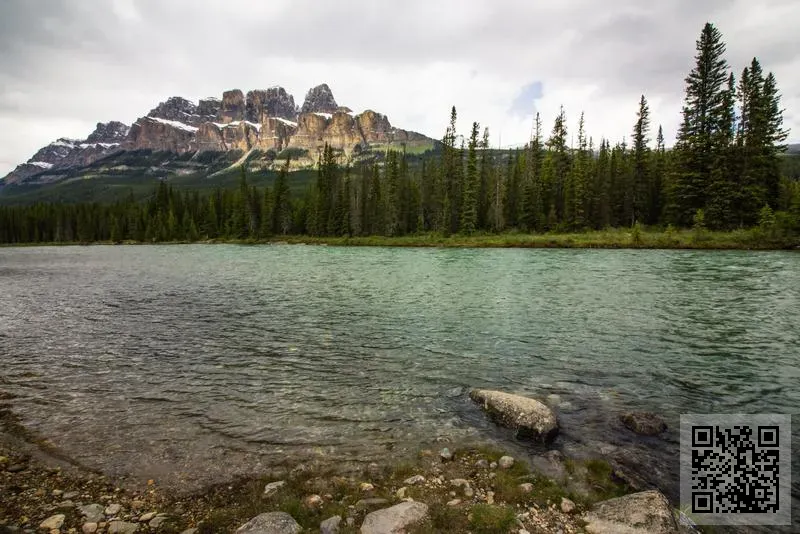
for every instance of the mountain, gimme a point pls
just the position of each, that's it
(260, 127)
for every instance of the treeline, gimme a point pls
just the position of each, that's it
(723, 173)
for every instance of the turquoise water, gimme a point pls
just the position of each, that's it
(194, 363)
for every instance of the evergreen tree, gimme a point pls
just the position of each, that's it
(469, 202)
(532, 195)
(702, 111)
(641, 162)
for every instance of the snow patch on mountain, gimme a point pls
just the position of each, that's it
(174, 124)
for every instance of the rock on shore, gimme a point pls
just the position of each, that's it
(647, 512)
(270, 523)
(394, 520)
(529, 417)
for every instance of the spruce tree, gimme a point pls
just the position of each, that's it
(469, 200)
(703, 107)
(641, 163)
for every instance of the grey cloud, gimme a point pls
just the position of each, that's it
(83, 61)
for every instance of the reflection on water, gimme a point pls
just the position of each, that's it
(194, 363)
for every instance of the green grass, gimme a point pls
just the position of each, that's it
(487, 519)
(750, 239)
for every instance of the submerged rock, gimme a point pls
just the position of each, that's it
(647, 512)
(394, 520)
(529, 417)
(644, 423)
(270, 523)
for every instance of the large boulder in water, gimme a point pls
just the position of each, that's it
(270, 523)
(395, 520)
(647, 512)
(529, 417)
(644, 423)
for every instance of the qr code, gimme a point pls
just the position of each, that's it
(735, 469)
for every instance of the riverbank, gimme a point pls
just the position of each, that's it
(621, 238)
(478, 490)
(475, 489)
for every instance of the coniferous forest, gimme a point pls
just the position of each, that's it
(723, 173)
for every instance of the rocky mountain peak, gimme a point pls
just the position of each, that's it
(319, 99)
(270, 103)
(108, 132)
(175, 108)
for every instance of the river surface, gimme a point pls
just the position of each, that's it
(191, 364)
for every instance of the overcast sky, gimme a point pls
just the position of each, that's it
(67, 64)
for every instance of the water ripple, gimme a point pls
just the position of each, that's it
(214, 360)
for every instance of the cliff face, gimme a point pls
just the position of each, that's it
(263, 119)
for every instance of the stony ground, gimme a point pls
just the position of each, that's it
(470, 490)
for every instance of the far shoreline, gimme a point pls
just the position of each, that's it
(754, 239)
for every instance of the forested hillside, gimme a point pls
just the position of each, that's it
(723, 173)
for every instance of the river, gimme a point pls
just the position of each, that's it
(195, 363)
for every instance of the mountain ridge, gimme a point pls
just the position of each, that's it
(266, 121)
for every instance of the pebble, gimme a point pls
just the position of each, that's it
(122, 527)
(273, 487)
(454, 502)
(190, 531)
(89, 528)
(366, 486)
(350, 521)
(523, 531)
(459, 482)
(484, 464)
(147, 517)
(157, 520)
(17, 468)
(68, 496)
(567, 506)
(416, 479)
(493, 465)
(57, 493)
(53, 522)
(445, 455)
(490, 497)
(113, 509)
(313, 501)
(401, 493)
(527, 487)
(92, 512)
(492, 475)
(468, 492)
(506, 462)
